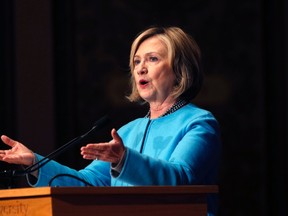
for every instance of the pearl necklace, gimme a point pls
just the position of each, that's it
(180, 103)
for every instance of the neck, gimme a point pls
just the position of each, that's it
(159, 109)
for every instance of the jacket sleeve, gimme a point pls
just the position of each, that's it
(96, 174)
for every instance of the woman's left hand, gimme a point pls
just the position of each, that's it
(108, 151)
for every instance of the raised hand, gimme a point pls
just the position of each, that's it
(18, 154)
(108, 151)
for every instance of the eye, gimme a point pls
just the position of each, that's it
(153, 59)
(136, 61)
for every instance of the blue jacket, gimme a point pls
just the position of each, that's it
(182, 148)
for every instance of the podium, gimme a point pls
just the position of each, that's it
(108, 201)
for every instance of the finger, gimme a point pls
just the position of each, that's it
(87, 152)
(89, 157)
(8, 141)
(11, 159)
(99, 147)
(115, 135)
(90, 148)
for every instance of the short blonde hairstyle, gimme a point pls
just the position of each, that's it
(184, 57)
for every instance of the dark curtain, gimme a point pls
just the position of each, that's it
(7, 111)
(275, 68)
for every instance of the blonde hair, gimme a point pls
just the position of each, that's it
(184, 56)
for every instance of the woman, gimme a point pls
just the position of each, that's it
(176, 143)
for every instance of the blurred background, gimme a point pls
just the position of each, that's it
(64, 64)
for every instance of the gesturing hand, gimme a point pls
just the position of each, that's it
(18, 154)
(108, 151)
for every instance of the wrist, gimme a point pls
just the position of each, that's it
(32, 160)
(118, 166)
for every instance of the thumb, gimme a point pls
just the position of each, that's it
(8, 141)
(115, 135)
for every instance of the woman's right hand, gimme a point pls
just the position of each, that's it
(18, 154)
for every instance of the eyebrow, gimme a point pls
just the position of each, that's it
(149, 53)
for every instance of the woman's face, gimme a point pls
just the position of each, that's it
(153, 74)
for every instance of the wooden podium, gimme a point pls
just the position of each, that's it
(108, 201)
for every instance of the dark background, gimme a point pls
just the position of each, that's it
(64, 64)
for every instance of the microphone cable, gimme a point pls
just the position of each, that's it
(71, 176)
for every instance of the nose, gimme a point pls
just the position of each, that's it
(142, 69)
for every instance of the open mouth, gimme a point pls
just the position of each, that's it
(143, 82)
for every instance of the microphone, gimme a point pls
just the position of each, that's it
(80, 139)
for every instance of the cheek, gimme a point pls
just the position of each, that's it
(165, 81)
(170, 76)
(133, 73)
(170, 82)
